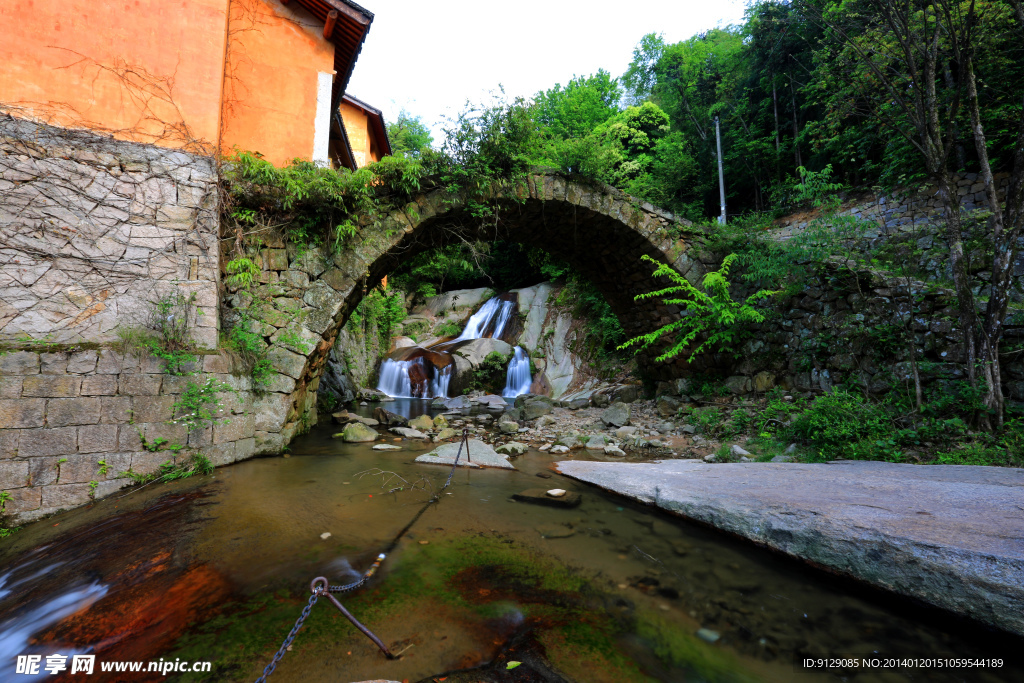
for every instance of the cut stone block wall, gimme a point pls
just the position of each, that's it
(63, 413)
(93, 229)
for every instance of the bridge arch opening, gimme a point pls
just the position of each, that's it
(599, 231)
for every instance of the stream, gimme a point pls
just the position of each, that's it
(217, 568)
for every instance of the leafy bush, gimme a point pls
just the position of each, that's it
(490, 375)
(838, 421)
(711, 317)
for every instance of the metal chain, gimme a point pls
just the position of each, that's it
(291, 636)
(320, 586)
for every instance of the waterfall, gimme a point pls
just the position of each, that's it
(489, 321)
(518, 380)
(420, 378)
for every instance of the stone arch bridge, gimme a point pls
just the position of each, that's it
(599, 230)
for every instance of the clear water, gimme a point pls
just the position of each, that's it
(161, 561)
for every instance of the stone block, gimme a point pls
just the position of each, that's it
(111, 486)
(53, 363)
(110, 362)
(199, 438)
(99, 385)
(23, 500)
(19, 363)
(245, 449)
(218, 363)
(97, 438)
(115, 409)
(291, 364)
(128, 438)
(43, 471)
(26, 413)
(281, 384)
(10, 387)
(221, 454)
(205, 337)
(271, 412)
(82, 362)
(146, 462)
(140, 385)
(51, 386)
(80, 468)
(66, 496)
(238, 427)
(277, 259)
(63, 412)
(171, 433)
(9, 439)
(13, 474)
(60, 441)
(269, 443)
(153, 409)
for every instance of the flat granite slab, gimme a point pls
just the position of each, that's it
(480, 455)
(950, 535)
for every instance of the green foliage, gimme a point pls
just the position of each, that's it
(448, 329)
(195, 463)
(242, 273)
(167, 333)
(838, 421)
(198, 406)
(409, 136)
(711, 318)
(5, 497)
(490, 375)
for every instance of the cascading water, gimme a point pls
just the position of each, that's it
(519, 379)
(418, 377)
(489, 321)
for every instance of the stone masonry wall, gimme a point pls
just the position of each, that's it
(62, 413)
(93, 229)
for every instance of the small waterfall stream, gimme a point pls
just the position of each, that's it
(519, 378)
(426, 371)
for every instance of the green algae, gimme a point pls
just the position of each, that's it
(478, 580)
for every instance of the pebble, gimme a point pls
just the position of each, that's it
(708, 635)
(554, 531)
(424, 542)
(325, 535)
(556, 493)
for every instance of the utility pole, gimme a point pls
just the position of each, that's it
(721, 175)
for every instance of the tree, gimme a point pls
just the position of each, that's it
(409, 136)
(580, 107)
(913, 67)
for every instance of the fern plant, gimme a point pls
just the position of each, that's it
(711, 316)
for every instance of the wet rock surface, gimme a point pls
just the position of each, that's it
(945, 534)
(480, 454)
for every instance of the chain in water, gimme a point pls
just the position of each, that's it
(320, 586)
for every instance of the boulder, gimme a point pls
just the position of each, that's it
(712, 458)
(480, 455)
(783, 458)
(626, 393)
(408, 433)
(764, 381)
(541, 497)
(559, 449)
(534, 409)
(512, 448)
(617, 414)
(738, 451)
(545, 420)
(422, 422)
(440, 422)
(446, 433)
(668, 406)
(614, 450)
(738, 384)
(357, 432)
(453, 299)
(386, 417)
(624, 432)
(578, 403)
(476, 350)
(386, 447)
(596, 442)
(508, 427)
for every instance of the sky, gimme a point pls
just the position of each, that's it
(431, 56)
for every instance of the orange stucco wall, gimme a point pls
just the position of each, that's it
(274, 55)
(360, 135)
(145, 70)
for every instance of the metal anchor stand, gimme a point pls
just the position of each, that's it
(321, 587)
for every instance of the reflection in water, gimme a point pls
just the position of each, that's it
(259, 529)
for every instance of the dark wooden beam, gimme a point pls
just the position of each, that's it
(332, 19)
